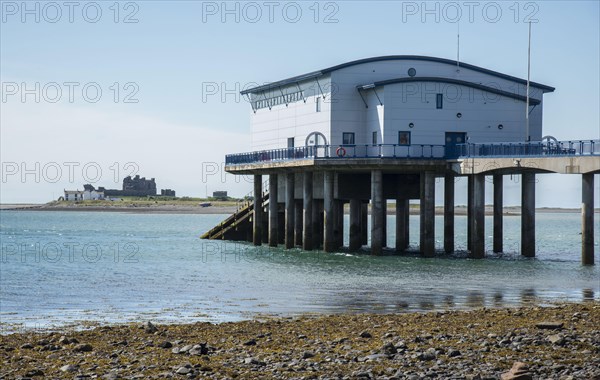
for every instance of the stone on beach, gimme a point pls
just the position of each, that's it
(519, 371)
(549, 325)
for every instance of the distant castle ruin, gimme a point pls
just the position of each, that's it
(132, 187)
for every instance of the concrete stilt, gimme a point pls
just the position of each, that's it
(407, 224)
(377, 212)
(307, 217)
(265, 224)
(317, 223)
(498, 204)
(401, 226)
(257, 218)
(478, 218)
(298, 223)
(469, 210)
(290, 205)
(449, 213)
(355, 214)
(338, 223)
(428, 214)
(281, 224)
(328, 205)
(384, 223)
(587, 219)
(273, 212)
(528, 214)
(364, 223)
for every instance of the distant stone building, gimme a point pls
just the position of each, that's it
(219, 194)
(167, 193)
(73, 195)
(134, 187)
(91, 194)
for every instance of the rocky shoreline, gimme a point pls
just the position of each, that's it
(557, 342)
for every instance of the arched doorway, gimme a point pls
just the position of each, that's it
(315, 139)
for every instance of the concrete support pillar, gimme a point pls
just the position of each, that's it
(470, 184)
(364, 223)
(258, 215)
(587, 219)
(528, 214)
(298, 210)
(338, 220)
(384, 223)
(317, 223)
(265, 224)
(478, 218)
(290, 205)
(355, 230)
(328, 206)
(427, 214)
(407, 223)
(273, 212)
(401, 226)
(377, 212)
(498, 204)
(449, 213)
(307, 216)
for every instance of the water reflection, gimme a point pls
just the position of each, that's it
(588, 294)
(528, 297)
(498, 299)
(475, 299)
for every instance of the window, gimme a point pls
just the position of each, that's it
(348, 138)
(290, 142)
(403, 138)
(439, 101)
(375, 138)
(318, 104)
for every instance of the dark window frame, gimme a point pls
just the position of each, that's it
(439, 101)
(400, 139)
(344, 138)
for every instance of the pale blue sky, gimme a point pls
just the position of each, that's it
(178, 48)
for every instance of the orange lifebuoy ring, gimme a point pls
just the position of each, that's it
(341, 152)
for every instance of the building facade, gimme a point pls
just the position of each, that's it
(403, 100)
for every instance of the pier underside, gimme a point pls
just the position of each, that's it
(305, 202)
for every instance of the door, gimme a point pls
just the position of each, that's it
(452, 149)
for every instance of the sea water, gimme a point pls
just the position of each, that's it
(73, 268)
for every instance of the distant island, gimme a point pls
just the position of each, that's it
(215, 205)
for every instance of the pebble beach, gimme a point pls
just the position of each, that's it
(554, 342)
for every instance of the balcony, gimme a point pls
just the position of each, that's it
(531, 149)
(394, 151)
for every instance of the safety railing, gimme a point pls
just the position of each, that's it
(536, 149)
(419, 151)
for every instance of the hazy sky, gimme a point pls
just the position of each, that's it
(93, 91)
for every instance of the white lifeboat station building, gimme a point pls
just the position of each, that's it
(385, 128)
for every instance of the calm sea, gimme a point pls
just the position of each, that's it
(64, 268)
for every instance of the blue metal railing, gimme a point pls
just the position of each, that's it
(535, 149)
(424, 151)
(420, 151)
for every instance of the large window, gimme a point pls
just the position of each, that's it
(290, 142)
(439, 101)
(374, 137)
(348, 138)
(403, 138)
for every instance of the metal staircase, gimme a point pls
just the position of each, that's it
(239, 225)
